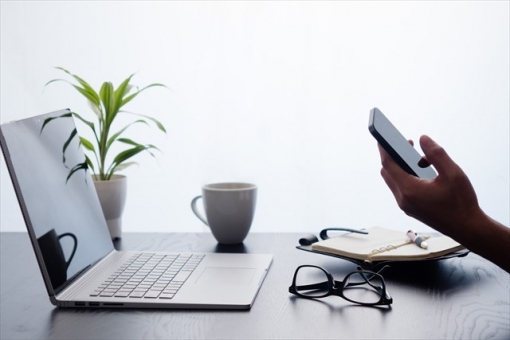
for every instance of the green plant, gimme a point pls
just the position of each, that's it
(107, 104)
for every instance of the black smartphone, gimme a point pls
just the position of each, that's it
(397, 145)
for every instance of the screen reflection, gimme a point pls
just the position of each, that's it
(62, 212)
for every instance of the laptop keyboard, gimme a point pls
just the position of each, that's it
(149, 276)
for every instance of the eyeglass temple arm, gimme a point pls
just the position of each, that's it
(321, 285)
(324, 232)
(367, 276)
(380, 271)
(387, 296)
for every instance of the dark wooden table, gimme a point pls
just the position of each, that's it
(457, 298)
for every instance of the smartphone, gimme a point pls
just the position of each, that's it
(397, 145)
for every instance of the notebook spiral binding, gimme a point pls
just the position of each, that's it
(390, 247)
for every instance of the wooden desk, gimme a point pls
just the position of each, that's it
(458, 298)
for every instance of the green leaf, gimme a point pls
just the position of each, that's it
(158, 124)
(87, 145)
(121, 91)
(55, 80)
(126, 154)
(83, 83)
(90, 96)
(123, 156)
(88, 123)
(129, 141)
(124, 87)
(129, 98)
(114, 137)
(106, 94)
(120, 167)
(89, 163)
(96, 109)
(106, 105)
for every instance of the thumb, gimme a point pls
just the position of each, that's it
(436, 155)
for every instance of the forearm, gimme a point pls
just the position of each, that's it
(487, 238)
(448, 203)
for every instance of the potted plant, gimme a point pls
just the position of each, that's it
(107, 104)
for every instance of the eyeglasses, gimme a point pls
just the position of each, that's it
(362, 286)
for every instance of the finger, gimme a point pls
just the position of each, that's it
(393, 169)
(436, 155)
(392, 174)
(394, 188)
(423, 162)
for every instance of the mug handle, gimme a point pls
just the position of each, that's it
(68, 262)
(195, 210)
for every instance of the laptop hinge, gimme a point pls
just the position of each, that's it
(88, 275)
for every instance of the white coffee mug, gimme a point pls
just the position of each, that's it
(229, 210)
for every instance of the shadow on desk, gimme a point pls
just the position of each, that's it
(236, 248)
(440, 276)
(175, 245)
(443, 276)
(129, 323)
(460, 298)
(340, 305)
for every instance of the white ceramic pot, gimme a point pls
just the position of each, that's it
(112, 195)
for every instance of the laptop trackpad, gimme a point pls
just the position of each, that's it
(226, 276)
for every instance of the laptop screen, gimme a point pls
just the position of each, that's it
(56, 195)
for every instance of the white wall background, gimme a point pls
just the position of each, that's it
(275, 93)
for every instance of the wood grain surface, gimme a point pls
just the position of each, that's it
(461, 298)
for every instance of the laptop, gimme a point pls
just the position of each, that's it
(73, 247)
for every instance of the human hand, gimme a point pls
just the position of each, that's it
(446, 203)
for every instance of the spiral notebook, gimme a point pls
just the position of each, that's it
(381, 244)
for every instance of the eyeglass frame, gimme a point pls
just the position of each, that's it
(337, 287)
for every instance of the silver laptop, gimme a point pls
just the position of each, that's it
(78, 261)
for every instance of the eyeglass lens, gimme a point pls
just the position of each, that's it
(312, 282)
(363, 287)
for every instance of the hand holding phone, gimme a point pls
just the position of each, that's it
(397, 146)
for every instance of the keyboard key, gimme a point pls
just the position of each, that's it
(136, 294)
(121, 294)
(149, 275)
(104, 294)
(181, 276)
(152, 294)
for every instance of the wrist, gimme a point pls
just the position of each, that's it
(487, 238)
(473, 232)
